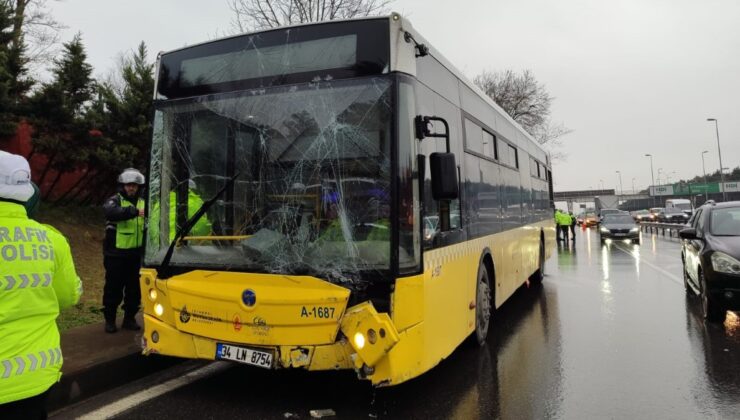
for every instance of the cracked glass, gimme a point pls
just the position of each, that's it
(313, 194)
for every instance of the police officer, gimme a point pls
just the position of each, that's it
(38, 279)
(572, 226)
(563, 221)
(124, 237)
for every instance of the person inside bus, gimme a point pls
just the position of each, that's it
(380, 228)
(201, 228)
(333, 229)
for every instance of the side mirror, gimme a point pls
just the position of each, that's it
(444, 176)
(687, 233)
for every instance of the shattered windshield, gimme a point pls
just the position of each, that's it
(313, 192)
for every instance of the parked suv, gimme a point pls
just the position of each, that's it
(710, 253)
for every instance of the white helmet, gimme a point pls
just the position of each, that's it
(131, 176)
(15, 177)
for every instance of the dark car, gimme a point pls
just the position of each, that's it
(619, 226)
(673, 216)
(711, 258)
(605, 212)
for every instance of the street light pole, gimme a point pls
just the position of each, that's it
(719, 151)
(621, 188)
(703, 169)
(633, 186)
(659, 171)
(652, 176)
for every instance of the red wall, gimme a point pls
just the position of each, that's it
(21, 144)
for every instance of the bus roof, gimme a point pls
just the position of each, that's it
(406, 26)
(398, 27)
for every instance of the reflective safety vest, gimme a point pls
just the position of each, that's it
(201, 228)
(563, 219)
(37, 279)
(130, 233)
(380, 231)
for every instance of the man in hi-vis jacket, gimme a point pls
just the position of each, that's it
(124, 238)
(37, 279)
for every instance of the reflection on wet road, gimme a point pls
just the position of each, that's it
(610, 334)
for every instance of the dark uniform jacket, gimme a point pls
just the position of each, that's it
(115, 212)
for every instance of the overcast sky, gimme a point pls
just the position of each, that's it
(630, 77)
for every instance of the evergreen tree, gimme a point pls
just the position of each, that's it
(62, 131)
(73, 76)
(7, 119)
(129, 113)
(14, 80)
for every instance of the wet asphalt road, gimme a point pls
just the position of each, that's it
(610, 334)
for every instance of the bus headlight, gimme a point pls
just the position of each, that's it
(153, 294)
(363, 325)
(158, 309)
(359, 340)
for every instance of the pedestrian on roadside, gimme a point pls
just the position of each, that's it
(572, 226)
(122, 249)
(38, 280)
(557, 225)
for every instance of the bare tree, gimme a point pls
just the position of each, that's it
(35, 26)
(251, 15)
(527, 102)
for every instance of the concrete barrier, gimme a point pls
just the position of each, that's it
(658, 228)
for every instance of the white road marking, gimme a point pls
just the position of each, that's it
(668, 274)
(131, 401)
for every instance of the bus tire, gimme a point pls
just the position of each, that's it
(483, 303)
(539, 275)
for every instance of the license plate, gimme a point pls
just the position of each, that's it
(619, 234)
(244, 355)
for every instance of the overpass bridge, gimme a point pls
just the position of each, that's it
(579, 196)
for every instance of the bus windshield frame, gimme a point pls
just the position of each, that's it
(283, 56)
(314, 195)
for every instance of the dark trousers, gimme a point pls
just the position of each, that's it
(33, 408)
(573, 232)
(564, 231)
(121, 284)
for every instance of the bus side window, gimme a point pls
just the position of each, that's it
(441, 220)
(440, 216)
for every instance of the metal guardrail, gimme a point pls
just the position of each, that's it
(658, 227)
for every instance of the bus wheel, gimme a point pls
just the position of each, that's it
(482, 305)
(539, 275)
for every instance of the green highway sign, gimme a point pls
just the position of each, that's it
(688, 189)
(683, 188)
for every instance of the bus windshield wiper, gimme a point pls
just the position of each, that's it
(164, 271)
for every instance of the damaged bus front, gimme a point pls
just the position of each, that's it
(290, 136)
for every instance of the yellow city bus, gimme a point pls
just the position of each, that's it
(368, 207)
